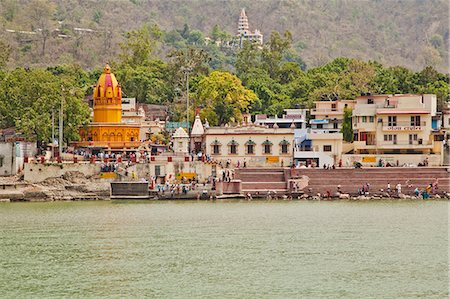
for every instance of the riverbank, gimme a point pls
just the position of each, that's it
(69, 187)
(75, 186)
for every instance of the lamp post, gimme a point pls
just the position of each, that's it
(186, 71)
(61, 123)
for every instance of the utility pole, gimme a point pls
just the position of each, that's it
(186, 71)
(53, 134)
(61, 124)
(53, 126)
(187, 100)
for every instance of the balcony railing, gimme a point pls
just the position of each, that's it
(391, 144)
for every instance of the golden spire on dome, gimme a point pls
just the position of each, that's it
(107, 69)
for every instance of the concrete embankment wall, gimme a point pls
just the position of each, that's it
(351, 180)
(35, 173)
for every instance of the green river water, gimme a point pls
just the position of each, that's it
(224, 249)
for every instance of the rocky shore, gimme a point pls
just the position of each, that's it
(71, 186)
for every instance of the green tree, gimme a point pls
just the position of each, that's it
(347, 126)
(30, 96)
(147, 83)
(274, 51)
(248, 58)
(139, 46)
(223, 98)
(5, 51)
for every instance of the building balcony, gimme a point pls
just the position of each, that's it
(404, 145)
(373, 145)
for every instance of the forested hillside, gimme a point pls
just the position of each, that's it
(411, 33)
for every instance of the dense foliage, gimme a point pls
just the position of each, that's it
(408, 33)
(257, 79)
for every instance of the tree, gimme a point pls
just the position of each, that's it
(248, 58)
(139, 46)
(148, 83)
(30, 96)
(224, 98)
(5, 51)
(40, 13)
(347, 126)
(274, 51)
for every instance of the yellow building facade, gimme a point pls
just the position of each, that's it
(107, 130)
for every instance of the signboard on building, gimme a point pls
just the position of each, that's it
(272, 159)
(403, 128)
(369, 159)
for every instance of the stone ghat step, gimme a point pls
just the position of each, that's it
(336, 181)
(377, 175)
(373, 170)
(248, 169)
(259, 178)
(352, 189)
(264, 185)
(265, 191)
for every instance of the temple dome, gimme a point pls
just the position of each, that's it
(107, 85)
(180, 133)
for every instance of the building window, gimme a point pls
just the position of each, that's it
(157, 170)
(335, 125)
(250, 149)
(371, 119)
(327, 148)
(284, 145)
(364, 119)
(391, 137)
(412, 138)
(216, 149)
(233, 149)
(415, 121)
(1, 161)
(319, 126)
(267, 146)
(369, 101)
(392, 121)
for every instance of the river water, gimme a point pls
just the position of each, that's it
(224, 249)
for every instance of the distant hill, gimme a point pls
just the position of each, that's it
(411, 33)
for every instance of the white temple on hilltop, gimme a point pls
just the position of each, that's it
(244, 32)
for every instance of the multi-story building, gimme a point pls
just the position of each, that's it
(391, 125)
(244, 32)
(328, 116)
(292, 118)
